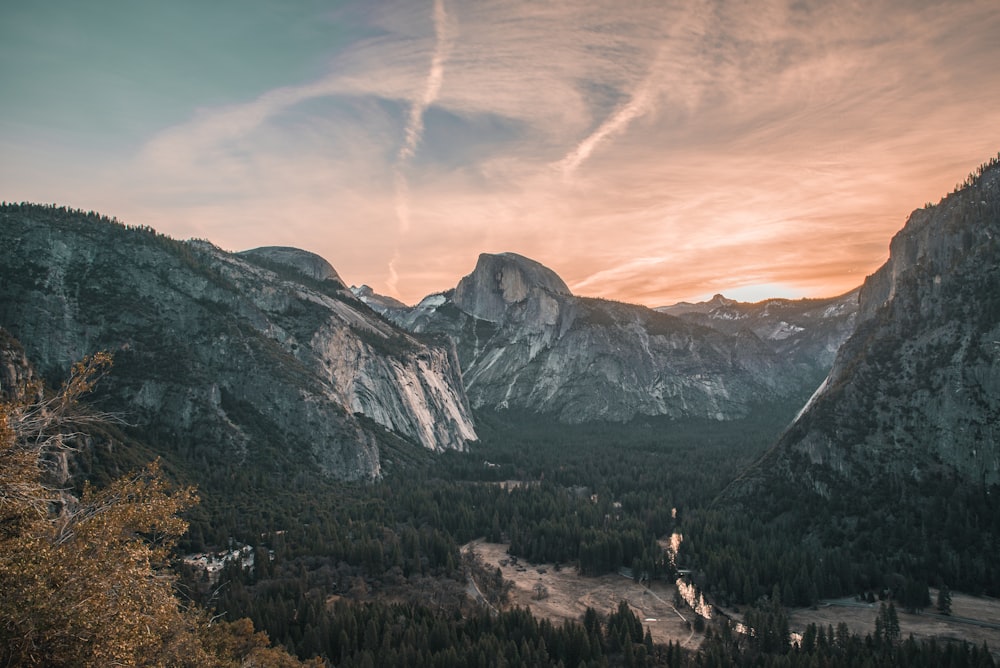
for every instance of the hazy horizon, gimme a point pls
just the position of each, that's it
(649, 152)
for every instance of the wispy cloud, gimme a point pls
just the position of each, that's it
(671, 70)
(415, 123)
(637, 105)
(651, 151)
(415, 128)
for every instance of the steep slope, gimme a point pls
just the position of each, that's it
(525, 342)
(915, 391)
(228, 358)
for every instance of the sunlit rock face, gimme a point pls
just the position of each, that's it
(525, 342)
(241, 354)
(915, 391)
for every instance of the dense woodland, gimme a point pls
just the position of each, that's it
(85, 577)
(577, 502)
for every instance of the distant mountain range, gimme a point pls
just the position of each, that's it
(266, 353)
(525, 342)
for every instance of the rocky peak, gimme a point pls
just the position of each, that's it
(802, 331)
(721, 300)
(308, 264)
(525, 342)
(934, 240)
(506, 279)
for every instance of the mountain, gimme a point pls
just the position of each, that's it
(914, 393)
(525, 342)
(262, 356)
(806, 330)
(889, 477)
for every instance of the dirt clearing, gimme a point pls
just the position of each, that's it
(568, 595)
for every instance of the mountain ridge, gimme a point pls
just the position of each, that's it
(526, 342)
(225, 351)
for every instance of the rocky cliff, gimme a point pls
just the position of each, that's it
(511, 288)
(914, 393)
(16, 372)
(526, 342)
(225, 356)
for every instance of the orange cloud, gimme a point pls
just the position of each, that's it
(701, 147)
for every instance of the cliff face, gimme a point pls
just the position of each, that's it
(525, 342)
(225, 352)
(16, 372)
(511, 288)
(915, 391)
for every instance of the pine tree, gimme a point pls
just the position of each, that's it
(944, 600)
(887, 625)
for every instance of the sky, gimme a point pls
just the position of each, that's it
(649, 152)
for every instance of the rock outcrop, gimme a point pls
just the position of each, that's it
(307, 264)
(16, 372)
(511, 288)
(234, 356)
(387, 306)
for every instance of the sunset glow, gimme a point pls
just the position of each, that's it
(648, 152)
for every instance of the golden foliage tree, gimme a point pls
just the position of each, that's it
(84, 581)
